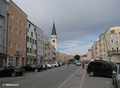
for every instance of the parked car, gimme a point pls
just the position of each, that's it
(99, 67)
(78, 63)
(116, 76)
(49, 65)
(54, 64)
(42, 66)
(32, 67)
(11, 71)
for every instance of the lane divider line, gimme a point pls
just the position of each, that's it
(67, 79)
(83, 79)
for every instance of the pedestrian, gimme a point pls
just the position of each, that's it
(83, 64)
(68, 63)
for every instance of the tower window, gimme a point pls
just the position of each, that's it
(53, 40)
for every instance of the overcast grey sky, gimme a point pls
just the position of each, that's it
(78, 22)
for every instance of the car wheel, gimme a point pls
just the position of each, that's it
(91, 73)
(21, 74)
(13, 74)
(36, 70)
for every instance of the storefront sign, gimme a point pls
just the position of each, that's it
(18, 54)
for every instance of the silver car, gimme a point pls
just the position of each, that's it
(78, 63)
(116, 76)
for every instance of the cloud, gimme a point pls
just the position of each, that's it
(77, 21)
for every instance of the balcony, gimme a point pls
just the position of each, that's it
(114, 52)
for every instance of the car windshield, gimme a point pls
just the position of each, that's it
(53, 63)
(33, 65)
(78, 62)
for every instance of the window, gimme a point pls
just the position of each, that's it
(33, 41)
(11, 16)
(10, 29)
(117, 49)
(31, 34)
(35, 51)
(119, 33)
(24, 48)
(20, 33)
(112, 41)
(10, 61)
(24, 25)
(15, 46)
(30, 50)
(10, 44)
(27, 39)
(20, 47)
(16, 20)
(21, 23)
(24, 36)
(30, 40)
(113, 32)
(16, 31)
(27, 50)
(0, 22)
(53, 40)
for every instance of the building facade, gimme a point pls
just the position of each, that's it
(31, 43)
(16, 43)
(3, 32)
(40, 45)
(112, 36)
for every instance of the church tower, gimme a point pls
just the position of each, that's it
(54, 37)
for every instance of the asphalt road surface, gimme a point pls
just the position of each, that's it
(59, 77)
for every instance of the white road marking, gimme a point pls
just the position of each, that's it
(83, 79)
(67, 80)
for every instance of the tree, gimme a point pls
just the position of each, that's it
(77, 57)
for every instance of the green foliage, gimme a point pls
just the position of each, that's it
(77, 57)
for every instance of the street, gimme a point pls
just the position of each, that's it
(59, 77)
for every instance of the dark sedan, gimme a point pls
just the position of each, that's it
(11, 71)
(32, 67)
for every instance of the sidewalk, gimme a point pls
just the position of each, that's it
(76, 80)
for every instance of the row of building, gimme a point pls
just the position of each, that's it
(107, 47)
(22, 42)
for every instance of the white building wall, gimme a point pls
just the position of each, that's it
(46, 49)
(31, 45)
(40, 45)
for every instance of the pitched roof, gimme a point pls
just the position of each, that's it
(53, 30)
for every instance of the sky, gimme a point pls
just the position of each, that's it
(78, 23)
